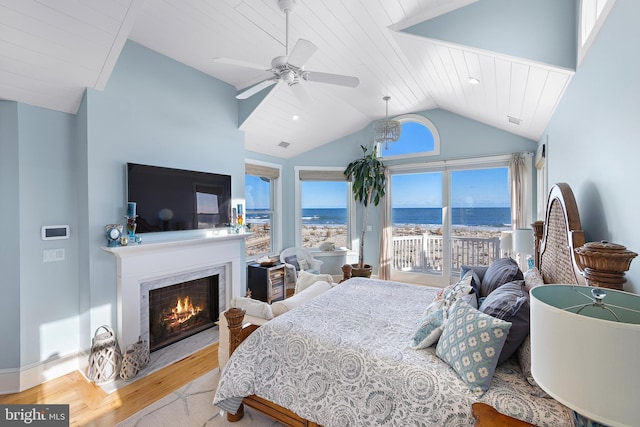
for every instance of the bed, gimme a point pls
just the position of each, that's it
(343, 359)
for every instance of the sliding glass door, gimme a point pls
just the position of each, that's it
(480, 212)
(418, 218)
(443, 219)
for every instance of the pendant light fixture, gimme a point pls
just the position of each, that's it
(386, 131)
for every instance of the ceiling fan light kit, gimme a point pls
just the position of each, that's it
(289, 68)
(386, 131)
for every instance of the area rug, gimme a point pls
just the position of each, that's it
(192, 405)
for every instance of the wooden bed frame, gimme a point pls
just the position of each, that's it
(555, 241)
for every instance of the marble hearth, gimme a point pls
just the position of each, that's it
(153, 265)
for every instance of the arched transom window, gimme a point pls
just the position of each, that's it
(419, 137)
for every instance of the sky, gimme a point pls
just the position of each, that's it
(469, 188)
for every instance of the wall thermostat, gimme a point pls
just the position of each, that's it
(55, 232)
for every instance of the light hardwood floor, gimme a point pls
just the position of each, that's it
(89, 405)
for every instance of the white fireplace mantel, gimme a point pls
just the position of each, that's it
(138, 264)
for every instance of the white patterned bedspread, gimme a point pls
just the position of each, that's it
(343, 359)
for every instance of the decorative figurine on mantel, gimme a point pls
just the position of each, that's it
(114, 233)
(131, 222)
(239, 220)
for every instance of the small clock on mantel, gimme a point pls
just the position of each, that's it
(114, 232)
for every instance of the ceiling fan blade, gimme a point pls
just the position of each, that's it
(301, 53)
(301, 92)
(334, 79)
(239, 63)
(255, 89)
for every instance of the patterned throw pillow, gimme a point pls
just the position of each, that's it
(471, 343)
(429, 330)
(501, 271)
(445, 298)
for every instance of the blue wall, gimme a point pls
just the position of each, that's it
(38, 176)
(153, 111)
(57, 168)
(10, 259)
(593, 136)
(536, 30)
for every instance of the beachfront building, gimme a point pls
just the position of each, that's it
(64, 142)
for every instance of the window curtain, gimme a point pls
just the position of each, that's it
(386, 237)
(517, 169)
(541, 180)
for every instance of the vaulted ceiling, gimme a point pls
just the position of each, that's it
(420, 52)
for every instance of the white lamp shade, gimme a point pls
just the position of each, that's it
(506, 241)
(523, 241)
(585, 362)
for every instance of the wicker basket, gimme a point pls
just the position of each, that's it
(105, 357)
(130, 366)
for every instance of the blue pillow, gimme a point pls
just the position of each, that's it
(471, 343)
(501, 271)
(293, 260)
(510, 302)
(429, 330)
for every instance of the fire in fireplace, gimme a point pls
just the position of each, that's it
(181, 310)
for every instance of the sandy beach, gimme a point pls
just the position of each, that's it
(313, 235)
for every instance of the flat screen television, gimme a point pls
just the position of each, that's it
(175, 199)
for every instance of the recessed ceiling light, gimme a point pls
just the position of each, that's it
(295, 117)
(284, 144)
(514, 120)
(474, 81)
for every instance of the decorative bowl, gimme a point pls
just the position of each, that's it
(267, 262)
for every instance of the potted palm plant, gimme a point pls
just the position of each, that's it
(369, 185)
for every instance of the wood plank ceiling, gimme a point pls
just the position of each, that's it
(51, 50)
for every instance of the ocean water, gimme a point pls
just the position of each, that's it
(471, 217)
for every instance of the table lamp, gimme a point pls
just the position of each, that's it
(523, 245)
(585, 344)
(506, 243)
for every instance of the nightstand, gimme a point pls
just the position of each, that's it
(266, 283)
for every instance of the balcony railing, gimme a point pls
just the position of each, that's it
(424, 253)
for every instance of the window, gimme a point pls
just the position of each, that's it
(325, 208)
(261, 198)
(419, 137)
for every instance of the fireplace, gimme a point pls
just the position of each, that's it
(181, 310)
(158, 264)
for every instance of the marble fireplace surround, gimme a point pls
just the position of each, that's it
(164, 263)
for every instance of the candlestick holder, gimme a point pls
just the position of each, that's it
(131, 227)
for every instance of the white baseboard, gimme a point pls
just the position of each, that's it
(17, 380)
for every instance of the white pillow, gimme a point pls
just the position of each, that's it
(307, 279)
(253, 307)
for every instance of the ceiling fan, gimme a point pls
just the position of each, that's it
(289, 68)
